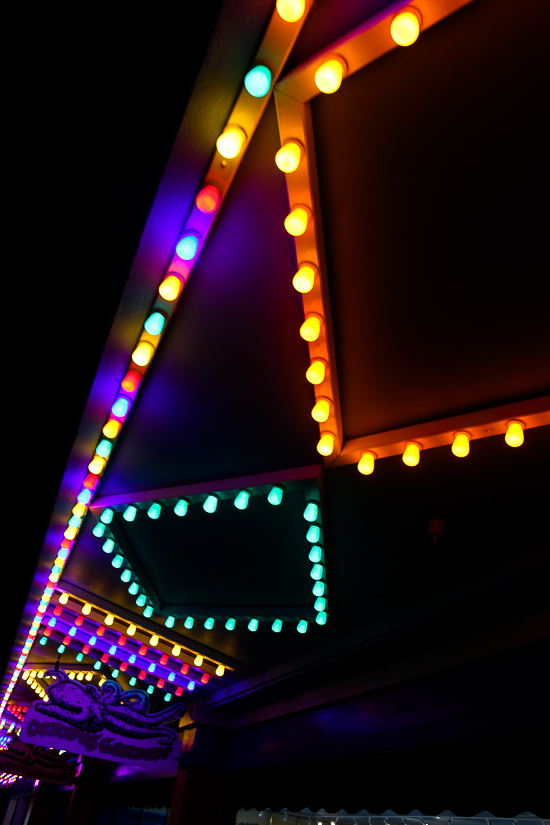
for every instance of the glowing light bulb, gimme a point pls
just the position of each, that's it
(241, 500)
(120, 407)
(64, 598)
(210, 504)
(230, 142)
(230, 624)
(96, 466)
(258, 81)
(148, 611)
(184, 669)
(411, 456)
(321, 410)
(169, 621)
(190, 686)
(103, 448)
(277, 626)
(130, 513)
(188, 246)
(154, 324)
(116, 561)
(112, 428)
(313, 534)
(133, 590)
(253, 625)
(143, 650)
(152, 667)
(366, 462)
(141, 600)
(176, 650)
(84, 496)
(317, 572)
(99, 530)
(461, 444)
(316, 372)
(302, 626)
(220, 670)
(79, 510)
(316, 554)
(275, 496)
(108, 546)
(109, 619)
(311, 328)
(189, 622)
(311, 512)
(405, 27)
(86, 609)
(328, 77)
(170, 288)
(209, 623)
(132, 681)
(325, 445)
(208, 199)
(181, 507)
(132, 379)
(154, 510)
(320, 603)
(296, 222)
(291, 10)
(514, 433)
(154, 640)
(289, 156)
(142, 354)
(321, 617)
(305, 278)
(107, 516)
(198, 660)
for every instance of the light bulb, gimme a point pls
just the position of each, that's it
(142, 354)
(277, 626)
(258, 81)
(230, 624)
(209, 623)
(311, 512)
(198, 660)
(220, 670)
(154, 510)
(170, 288)
(275, 496)
(86, 609)
(154, 640)
(289, 156)
(514, 433)
(176, 650)
(296, 222)
(154, 324)
(316, 372)
(305, 278)
(461, 444)
(120, 407)
(95, 466)
(130, 513)
(405, 27)
(291, 10)
(241, 500)
(311, 328)
(169, 621)
(109, 619)
(230, 142)
(315, 554)
(79, 510)
(107, 515)
(317, 572)
(411, 456)
(189, 622)
(366, 462)
(64, 598)
(302, 626)
(253, 625)
(132, 379)
(314, 534)
(325, 445)
(187, 247)
(181, 507)
(321, 410)
(210, 504)
(321, 617)
(328, 77)
(208, 199)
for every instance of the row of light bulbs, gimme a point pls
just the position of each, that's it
(460, 447)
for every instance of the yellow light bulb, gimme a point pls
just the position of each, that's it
(461, 444)
(325, 445)
(296, 222)
(411, 456)
(305, 278)
(59, 562)
(80, 676)
(89, 677)
(289, 156)
(86, 609)
(170, 288)
(40, 674)
(154, 640)
(143, 353)
(329, 76)
(405, 27)
(311, 328)
(316, 372)
(69, 534)
(220, 670)
(64, 598)
(514, 433)
(291, 10)
(366, 462)
(321, 410)
(198, 660)
(176, 650)
(109, 619)
(72, 674)
(112, 428)
(230, 142)
(26, 675)
(79, 509)
(96, 465)
(131, 630)
(33, 674)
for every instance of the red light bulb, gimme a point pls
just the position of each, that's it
(208, 199)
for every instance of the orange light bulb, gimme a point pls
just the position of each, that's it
(461, 444)
(325, 445)
(411, 455)
(321, 410)
(366, 462)
(289, 156)
(316, 372)
(328, 77)
(514, 433)
(296, 222)
(311, 328)
(305, 278)
(405, 27)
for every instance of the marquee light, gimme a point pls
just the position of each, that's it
(109, 619)
(131, 380)
(176, 650)
(188, 246)
(297, 221)
(275, 496)
(253, 625)
(405, 27)
(241, 500)
(461, 444)
(154, 324)
(198, 660)
(211, 504)
(181, 507)
(99, 530)
(148, 611)
(120, 407)
(108, 546)
(321, 410)
(311, 512)
(230, 142)
(305, 278)
(208, 199)
(63, 599)
(316, 554)
(130, 513)
(189, 622)
(117, 561)
(112, 428)
(154, 510)
(317, 572)
(170, 288)
(277, 626)
(366, 462)
(328, 77)
(316, 371)
(84, 496)
(321, 617)
(220, 670)
(325, 445)
(311, 328)
(96, 467)
(289, 156)
(107, 516)
(514, 433)
(230, 624)
(258, 81)
(302, 626)
(142, 355)
(411, 455)
(291, 10)
(169, 621)
(103, 448)
(209, 623)
(79, 510)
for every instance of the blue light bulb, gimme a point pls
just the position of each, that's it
(209, 623)
(148, 612)
(84, 496)
(316, 553)
(302, 626)
(253, 625)
(189, 622)
(317, 572)
(141, 600)
(210, 504)
(117, 560)
(167, 697)
(321, 617)
(154, 510)
(169, 621)
(313, 534)
(241, 500)
(132, 681)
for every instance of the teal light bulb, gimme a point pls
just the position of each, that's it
(103, 448)
(189, 622)
(114, 673)
(117, 560)
(253, 625)
(316, 553)
(148, 612)
(313, 534)
(150, 689)
(107, 516)
(99, 530)
(317, 572)
(275, 495)
(318, 589)
(241, 500)
(141, 600)
(84, 496)
(97, 665)
(181, 507)
(74, 521)
(133, 590)
(126, 575)
(320, 603)
(209, 623)
(132, 681)
(258, 81)
(321, 617)
(108, 546)
(154, 323)
(169, 622)
(130, 513)
(277, 626)
(210, 504)
(79, 657)
(311, 512)
(302, 626)
(167, 697)
(230, 624)
(154, 510)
